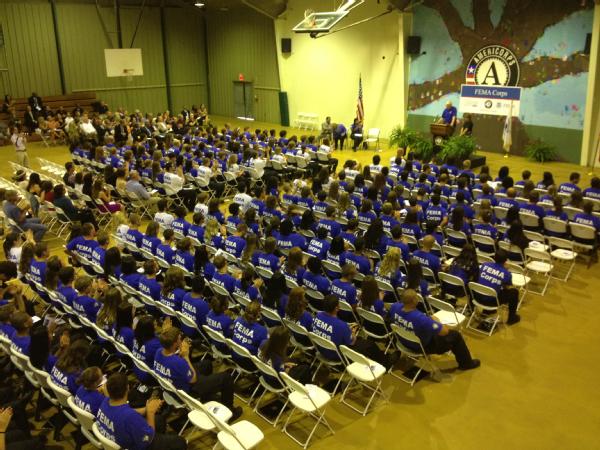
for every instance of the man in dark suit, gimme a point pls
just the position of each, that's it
(29, 120)
(185, 113)
(35, 101)
(120, 133)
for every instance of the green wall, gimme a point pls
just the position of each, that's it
(30, 53)
(243, 41)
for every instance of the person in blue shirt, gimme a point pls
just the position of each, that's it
(194, 306)
(485, 228)
(123, 326)
(214, 212)
(222, 277)
(180, 225)
(497, 276)
(526, 176)
(313, 278)
(414, 278)
(425, 257)
(146, 344)
(172, 361)
(173, 291)
(366, 215)
(248, 285)
(509, 201)
(320, 205)
(371, 297)
(594, 190)
(375, 237)
(387, 217)
(127, 427)
(134, 235)
(293, 269)
(319, 245)
(218, 318)
(234, 219)
(350, 234)
(196, 230)
(328, 325)
(587, 218)
(37, 267)
(435, 337)
(21, 339)
(184, 256)
(148, 284)
(150, 241)
(165, 250)
(388, 270)
(460, 201)
(69, 366)
(557, 212)
(343, 287)
(329, 223)
(294, 308)
(410, 226)
(84, 244)
(247, 332)
(397, 241)
(336, 254)
(99, 252)
(274, 352)
(436, 212)
(358, 259)
(571, 186)
(449, 115)
(464, 266)
(86, 304)
(268, 259)
(271, 209)
(92, 390)
(459, 224)
(288, 238)
(236, 243)
(129, 273)
(65, 291)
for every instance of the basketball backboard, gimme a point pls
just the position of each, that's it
(320, 22)
(123, 62)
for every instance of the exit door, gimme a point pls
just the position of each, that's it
(243, 96)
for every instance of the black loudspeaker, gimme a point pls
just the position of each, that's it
(413, 45)
(588, 44)
(286, 45)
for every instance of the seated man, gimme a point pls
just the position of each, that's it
(426, 257)
(138, 429)
(327, 325)
(19, 215)
(435, 337)
(571, 185)
(172, 361)
(135, 187)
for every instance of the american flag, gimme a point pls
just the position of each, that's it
(471, 74)
(360, 112)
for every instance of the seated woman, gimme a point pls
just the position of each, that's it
(129, 272)
(173, 288)
(184, 256)
(275, 351)
(70, 365)
(194, 306)
(371, 298)
(293, 269)
(247, 331)
(458, 223)
(103, 199)
(123, 329)
(248, 285)
(388, 270)
(72, 213)
(92, 391)
(218, 318)
(145, 345)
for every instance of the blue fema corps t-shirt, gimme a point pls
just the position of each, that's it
(66, 294)
(291, 240)
(87, 400)
(174, 368)
(421, 324)
(164, 251)
(184, 259)
(196, 309)
(344, 291)
(235, 245)
(64, 380)
(149, 287)
(332, 329)
(145, 352)
(219, 322)
(318, 248)
(87, 306)
(249, 335)
(494, 275)
(124, 425)
(173, 299)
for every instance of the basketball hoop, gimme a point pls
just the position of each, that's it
(128, 73)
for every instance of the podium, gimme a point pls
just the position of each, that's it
(440, 132)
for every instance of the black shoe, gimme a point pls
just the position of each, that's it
(237, 412)
(515, 318)
(475, 363)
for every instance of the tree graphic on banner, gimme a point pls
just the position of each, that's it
(522, 23)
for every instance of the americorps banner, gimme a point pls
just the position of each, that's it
(494, 100)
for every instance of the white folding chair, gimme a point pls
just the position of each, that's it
(375, 327)
(446, 313)
(563, 252)
(272, 383)
(198, 417)
(366, 373)
(519, 280)
(325, 348)
(310, 400)
(479, 292)
(539, 262)
(106, 443)
(372, 136)
(242, 435)
(409, 344)
(86, 422)
(585, 240)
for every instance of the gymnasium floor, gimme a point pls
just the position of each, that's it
(535, 388)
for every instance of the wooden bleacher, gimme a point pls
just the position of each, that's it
(84, 99)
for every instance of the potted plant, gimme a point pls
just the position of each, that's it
(423, 148)
(457, 147)
(540, 151)
(403, 137)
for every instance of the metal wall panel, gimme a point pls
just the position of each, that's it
(29, 52)
(243, 41)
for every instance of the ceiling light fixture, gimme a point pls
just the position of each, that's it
(199, 4)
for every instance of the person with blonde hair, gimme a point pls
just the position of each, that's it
(388, 270)
(247, 331)
(212, 233)
(173, 291)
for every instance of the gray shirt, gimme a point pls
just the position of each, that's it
(137, 188)
(12, 211)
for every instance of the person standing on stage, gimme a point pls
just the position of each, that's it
(449, 115)
(467, 125)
